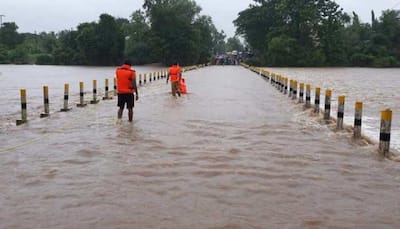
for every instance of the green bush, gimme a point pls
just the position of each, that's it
(383, 62)
(44, 59)
(361, 60)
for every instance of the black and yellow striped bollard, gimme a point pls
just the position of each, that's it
(280, 83)
(290, 88)
(272, 79)
(45, 102)
(286, 85)
(106, 92)
(66, 97)
(24, 113)
(95, 100)
(327, 112)
(301, 93)
(150, 77)
(294, 95)
(317, 99)
(384, 137)
(154, 76)
(358, 120)
(158, 75)
(81, 96)
(340, 112)
(308, 96)
(140, 79)
(145, 76)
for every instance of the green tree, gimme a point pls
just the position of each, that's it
(311, 27)
(87, 43)
(331, 33)
(66, 51)
(100, 43)
(110, 41)
(204, 27)
(9, 37)
(282, 51)
(137, 32)
(176, 30)
(234, 44)
(389, 25)
(218, 41)
(376, 44)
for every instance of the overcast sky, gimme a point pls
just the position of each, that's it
(57, 15)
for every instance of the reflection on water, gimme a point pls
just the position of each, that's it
(233, 153)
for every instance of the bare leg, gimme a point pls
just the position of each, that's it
(130, 114)
(120, 113)
(173, 91)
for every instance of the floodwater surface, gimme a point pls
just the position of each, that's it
(233, 153)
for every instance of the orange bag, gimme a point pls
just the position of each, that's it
(182, 86)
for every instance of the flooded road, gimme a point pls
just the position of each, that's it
(233, 153)
(376, 88)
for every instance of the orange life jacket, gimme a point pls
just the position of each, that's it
(174, 73)
(125, 75)
(182, 86)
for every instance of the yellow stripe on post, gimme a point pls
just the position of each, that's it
(328, 93)
(45, 102)
(23, 108)
(23, 93)
(341, 99)
(359, 105)
(384, 136)
(386, 115)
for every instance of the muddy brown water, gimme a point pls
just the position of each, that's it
(233, 153)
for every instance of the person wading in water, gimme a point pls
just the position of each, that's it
(175, 75)
(126, 87)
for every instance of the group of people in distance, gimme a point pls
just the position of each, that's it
(127, 86)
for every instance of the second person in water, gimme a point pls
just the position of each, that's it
(175, 75)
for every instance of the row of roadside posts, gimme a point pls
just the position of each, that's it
(290, 87)
(142, 78)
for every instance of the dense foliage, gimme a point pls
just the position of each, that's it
(318, 33)
(277, 32)
(165, 31)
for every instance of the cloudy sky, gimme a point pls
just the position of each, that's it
(56, 15)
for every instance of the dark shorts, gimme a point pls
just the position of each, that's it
(126, 98)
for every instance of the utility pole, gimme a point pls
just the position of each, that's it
(1, 20)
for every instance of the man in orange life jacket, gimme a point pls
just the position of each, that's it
(126, 86)
(175, 74)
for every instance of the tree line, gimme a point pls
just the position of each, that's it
(162, 31)
(277, 32)
(318, 33)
